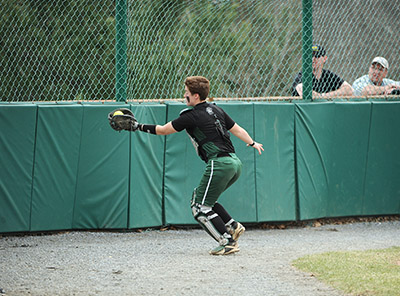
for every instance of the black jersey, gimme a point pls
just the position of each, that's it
(207, 125)
(328, 82)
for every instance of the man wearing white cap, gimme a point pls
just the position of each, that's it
(375, 82)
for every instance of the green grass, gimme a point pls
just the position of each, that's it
(373, 272)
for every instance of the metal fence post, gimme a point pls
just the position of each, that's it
(307, 54)
(120, 50)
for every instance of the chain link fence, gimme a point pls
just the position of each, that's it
(65, 50)
(57, 50)
(245, 48)
(355, 31)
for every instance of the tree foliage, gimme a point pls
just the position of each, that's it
(56, 50)
(245, 48)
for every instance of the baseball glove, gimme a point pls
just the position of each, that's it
(123, 119)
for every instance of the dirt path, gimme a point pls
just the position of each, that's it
(176, 262)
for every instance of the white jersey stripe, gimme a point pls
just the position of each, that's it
(209, 182)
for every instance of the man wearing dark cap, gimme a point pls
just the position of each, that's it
(325, 83)
(375, 82)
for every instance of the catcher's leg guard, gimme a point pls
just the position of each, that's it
(212, 223)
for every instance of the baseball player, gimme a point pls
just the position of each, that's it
(209, 128)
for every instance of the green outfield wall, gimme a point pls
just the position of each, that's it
(63, 167)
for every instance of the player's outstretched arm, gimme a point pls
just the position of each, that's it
(163, 130)
(243, 135)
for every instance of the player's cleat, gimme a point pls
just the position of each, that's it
(236, 231)
(227, 249)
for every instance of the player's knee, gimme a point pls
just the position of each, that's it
(201, 212)
(208, 219)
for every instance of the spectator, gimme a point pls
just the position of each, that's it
(325, 83)
(375, 82)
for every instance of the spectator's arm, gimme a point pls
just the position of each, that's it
(358, 85)
(299, 89)
(296, 82)
(344, 90)
(370, 90)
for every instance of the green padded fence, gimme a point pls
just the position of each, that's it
(275, 169)
(63, 167)
(382, 186)
(147, 170)
(349, 155)
(347, 159)
(314, 129)
(102, 178)
(56, 165)
(17, 148)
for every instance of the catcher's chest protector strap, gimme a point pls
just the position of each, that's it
(222, 131)
(211, 223)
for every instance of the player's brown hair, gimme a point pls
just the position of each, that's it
(198, 85)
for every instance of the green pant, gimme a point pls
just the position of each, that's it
(220, 173)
